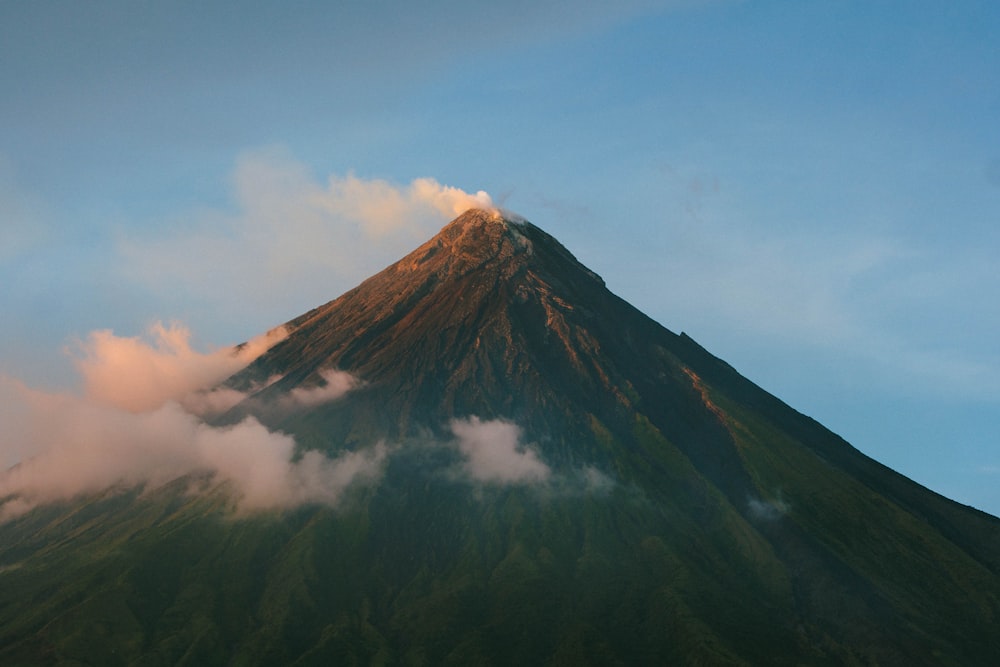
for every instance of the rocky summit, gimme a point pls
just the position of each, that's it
(564, 482)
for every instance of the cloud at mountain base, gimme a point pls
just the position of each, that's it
(493, 454)
(137, 425)
(83, 448)
(69, 446)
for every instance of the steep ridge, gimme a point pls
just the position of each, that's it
(687, 516)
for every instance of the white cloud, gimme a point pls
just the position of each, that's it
(336, 383)
(292, 236)
(494, 454)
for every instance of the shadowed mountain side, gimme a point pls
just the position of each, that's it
(675, 512)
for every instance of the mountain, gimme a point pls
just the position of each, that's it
(567, 482)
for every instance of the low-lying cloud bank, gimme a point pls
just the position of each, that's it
(73, 446)
(137, 425)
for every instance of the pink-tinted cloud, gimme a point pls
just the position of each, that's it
(68, 446)
(381, 208)
(137, 425)
(212, 402)
(140, 375)
(217, 400)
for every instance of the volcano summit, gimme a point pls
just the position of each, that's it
(566, 482)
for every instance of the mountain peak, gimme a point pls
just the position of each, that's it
(489, 293)
(486, 216)
(508, 243)
(481, 234)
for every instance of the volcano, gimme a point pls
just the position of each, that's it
(567, 483)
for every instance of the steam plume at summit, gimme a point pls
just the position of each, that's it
(289, 232)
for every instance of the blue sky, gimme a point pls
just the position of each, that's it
(809, 189)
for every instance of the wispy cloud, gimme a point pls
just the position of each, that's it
(140, 374)
(333, 384)
(767, 509)
(292, 234)
(336, 383)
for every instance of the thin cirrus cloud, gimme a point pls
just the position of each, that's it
(136, 426)
(291, 235)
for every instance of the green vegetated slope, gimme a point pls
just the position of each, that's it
(690, 517)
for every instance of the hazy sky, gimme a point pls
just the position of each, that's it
(810, 189)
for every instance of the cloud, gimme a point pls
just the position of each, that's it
(381, 208)
(137, 425)
(493, 453)
(215, 401)
(767, 510)
(290, 237)
(336, 383)
(210, 402)
(68, 445)
(139, 375)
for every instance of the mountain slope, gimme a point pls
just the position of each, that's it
(674, 512)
